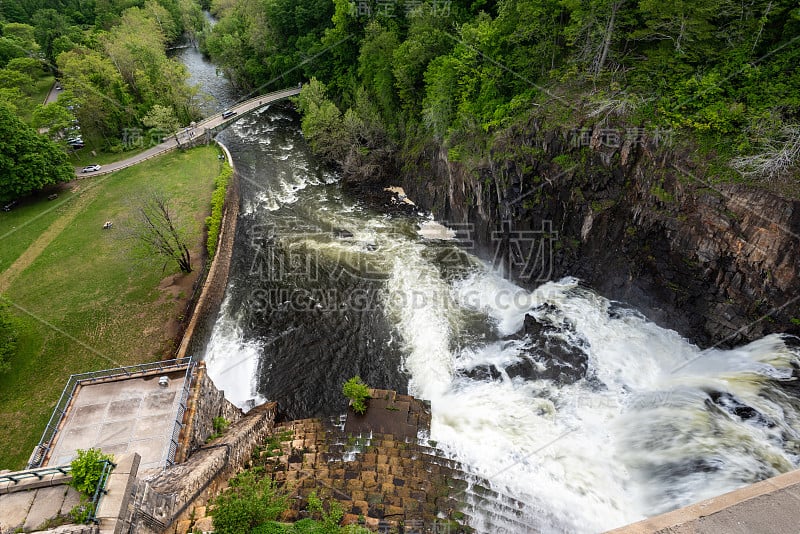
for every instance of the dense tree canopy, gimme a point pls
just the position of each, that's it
(28, 161)
(715, 69)
(111, 58)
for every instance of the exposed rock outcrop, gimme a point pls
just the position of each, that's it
(633, 219)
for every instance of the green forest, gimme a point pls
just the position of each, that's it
(397, 75)
(110, 57)
(390, 78)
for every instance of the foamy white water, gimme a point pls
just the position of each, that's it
(232, 361)
(655, 423)
(636, 437)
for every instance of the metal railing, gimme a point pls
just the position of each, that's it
(38, 474)
(172, 446)
(48, 436)
(245, 106)
(41, 472)
(100, 490)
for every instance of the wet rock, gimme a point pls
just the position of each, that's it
(708, 261)
(342, 234)
(549, 356)
(375, 196)
(483, 373)
(733, 406)
(550, 350)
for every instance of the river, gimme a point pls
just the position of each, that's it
(595, 419)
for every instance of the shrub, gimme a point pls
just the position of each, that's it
(214, 220)
(272, 527)
(87, 468)
(358, 392)
(250, 501)
(220, 425)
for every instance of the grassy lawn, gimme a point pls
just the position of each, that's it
(22, 225)
(83, 304)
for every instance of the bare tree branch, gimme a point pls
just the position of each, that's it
(777, 157)
(156, 232)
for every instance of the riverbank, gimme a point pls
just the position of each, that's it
(205, 311)
(80, 301)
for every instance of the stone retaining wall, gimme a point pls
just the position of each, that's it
(206, 403)
(198, 331)
(172, 495)
(384, 473)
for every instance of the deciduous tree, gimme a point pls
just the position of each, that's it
(28, 161)
(156, 231)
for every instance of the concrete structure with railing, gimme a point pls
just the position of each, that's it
(120, 410)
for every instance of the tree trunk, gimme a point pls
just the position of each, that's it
(607, 38)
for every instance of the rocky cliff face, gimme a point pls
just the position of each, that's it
(716, 262)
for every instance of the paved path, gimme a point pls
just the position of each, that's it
(52, 96)
(766, 507)
(189, 135)
(31, 253)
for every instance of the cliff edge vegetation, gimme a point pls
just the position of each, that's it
(658, 141)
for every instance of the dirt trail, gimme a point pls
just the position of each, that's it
(80, 201)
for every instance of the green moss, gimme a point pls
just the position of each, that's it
(599, 206)
(661, 194)
(564, 161)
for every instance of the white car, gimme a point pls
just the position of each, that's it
(91, 168)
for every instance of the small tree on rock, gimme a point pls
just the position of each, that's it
(358, 392)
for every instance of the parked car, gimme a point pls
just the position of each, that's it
(75, 142)
(228, 113)
(91, 168)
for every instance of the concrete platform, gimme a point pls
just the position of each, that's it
(129, 415)
(771, 506)
(390, 413)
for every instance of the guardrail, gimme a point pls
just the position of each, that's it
(101, 172)
(100, 490)
(38, 474)
(269, 97)
(247, 105)
(261, 99)
(172, 446)
(46, 442)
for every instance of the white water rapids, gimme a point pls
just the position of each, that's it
(654, 424)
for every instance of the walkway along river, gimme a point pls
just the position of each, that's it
(584, 410)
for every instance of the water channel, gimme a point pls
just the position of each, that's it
(595, 419)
